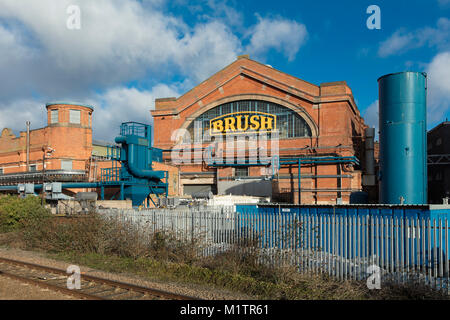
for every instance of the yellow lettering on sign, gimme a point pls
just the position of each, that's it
(254, 122)
(239, 123)
(229, 124)
(266, 123)
(218, 126)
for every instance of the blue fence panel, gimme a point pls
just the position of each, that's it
(394, 236)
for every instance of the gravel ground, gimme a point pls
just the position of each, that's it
(15, 290)
(38, 258)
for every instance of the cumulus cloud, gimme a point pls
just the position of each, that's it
(371, 117)
(119, 43)
(206, 50)
(121, 104)
(402, 41)
(286, 36)
(15, 114)
(111, 108)
(438, 72)
(395, 43)
(221, 10)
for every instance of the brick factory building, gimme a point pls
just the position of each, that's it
(248, 97)
(66, 147)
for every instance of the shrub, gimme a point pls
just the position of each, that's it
(16, 213)
(107, 236)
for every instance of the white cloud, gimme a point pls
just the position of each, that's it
(221, 10)
(209, 48)
(14, 115)
(438, 87)
(402, 41)
(120, 42)
(395, 43)
(286, 36)
(111, 108)
(121, 104)
(371, 117)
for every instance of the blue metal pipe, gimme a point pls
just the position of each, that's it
(132, 165)
(6, 188)
(299, 181)
(141, 173)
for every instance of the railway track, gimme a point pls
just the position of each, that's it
(92, 288)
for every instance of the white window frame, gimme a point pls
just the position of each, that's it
(65, 166)
(73, 118)
(53, 118)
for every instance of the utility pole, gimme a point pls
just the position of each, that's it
(43, 175)
(28, 146)
(46, 151)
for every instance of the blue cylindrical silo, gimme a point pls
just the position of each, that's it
(403, 138)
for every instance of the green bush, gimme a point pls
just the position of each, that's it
(16, 213)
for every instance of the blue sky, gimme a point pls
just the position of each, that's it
(127, 53)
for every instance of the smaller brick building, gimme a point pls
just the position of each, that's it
(63, 147)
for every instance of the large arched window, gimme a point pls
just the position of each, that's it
(288, 123)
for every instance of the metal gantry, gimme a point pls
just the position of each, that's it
(438, 159)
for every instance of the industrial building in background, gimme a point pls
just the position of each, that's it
(325, 153)
(439, 163)
(320, 130)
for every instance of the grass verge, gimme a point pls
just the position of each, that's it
(298, 287)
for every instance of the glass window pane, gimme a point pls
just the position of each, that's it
(54, 116)
(241, 172)
(74, 116)
(66, 165)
